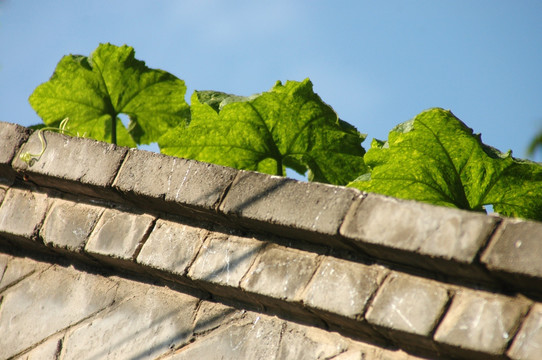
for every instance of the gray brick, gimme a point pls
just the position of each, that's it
(172, 247)
(212, 315)
(11, 138)
(187, 186)
(118, 235)
(73, 164)
(21, 215)
(527, 344)
(342, 287)
(419, 234)
(310, 211)
(38, 297)
(280, 273)
(515, 252)
(223, 261)
(145, 326)
(407, 309)
(68, 225)
(480, 325)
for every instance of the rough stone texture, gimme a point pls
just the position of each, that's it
(56, 298)
(11, 138)
(342, 287)
(280, 273)
(223, 262)
(185, 185)
(73, 164)
(147, 324)
(290, 208)
(21, 214)
(527, 344)
(49, 350)
(515, 252)
(68, 225)
(389, 228)
(172, 247)
(480, 325)
(118, 235)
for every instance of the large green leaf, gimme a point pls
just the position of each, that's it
(289, 126)
(436, 158)
(92, 91)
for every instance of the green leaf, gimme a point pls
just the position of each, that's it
(436, 158)
(289, 126)
(92, 91)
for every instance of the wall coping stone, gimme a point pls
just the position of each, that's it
(326, 255)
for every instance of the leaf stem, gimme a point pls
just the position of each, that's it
(114, 129)
(279, 167)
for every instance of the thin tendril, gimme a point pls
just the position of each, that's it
(30, 158)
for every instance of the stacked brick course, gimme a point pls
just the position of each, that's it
(114, 253)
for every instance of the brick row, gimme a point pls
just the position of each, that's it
(368, 300)
(437, 239)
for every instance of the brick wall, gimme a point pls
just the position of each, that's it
(107, 252)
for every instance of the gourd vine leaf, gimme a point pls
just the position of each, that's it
(288, 126)
(436, 158)
(92, 91)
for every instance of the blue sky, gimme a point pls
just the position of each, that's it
(376, 63)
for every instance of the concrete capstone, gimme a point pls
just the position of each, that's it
(515, 251)
(73, 164)
(11, 138)
(286, 207)
(434, 236)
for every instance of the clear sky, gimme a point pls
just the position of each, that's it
(377, 63)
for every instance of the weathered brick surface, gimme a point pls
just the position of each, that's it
(280, 273)
(480, 325)
(171, 184)
(342, 287)
(223, 262)
(147, 324)
(69, 224)
(527, 344)
(21, 214)
(407, 309)
(289, 208)
(118, 235)
(172, 247)
(515, 253)
(417, 233)
(55, 298)
(73, 164)
(11, 138)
